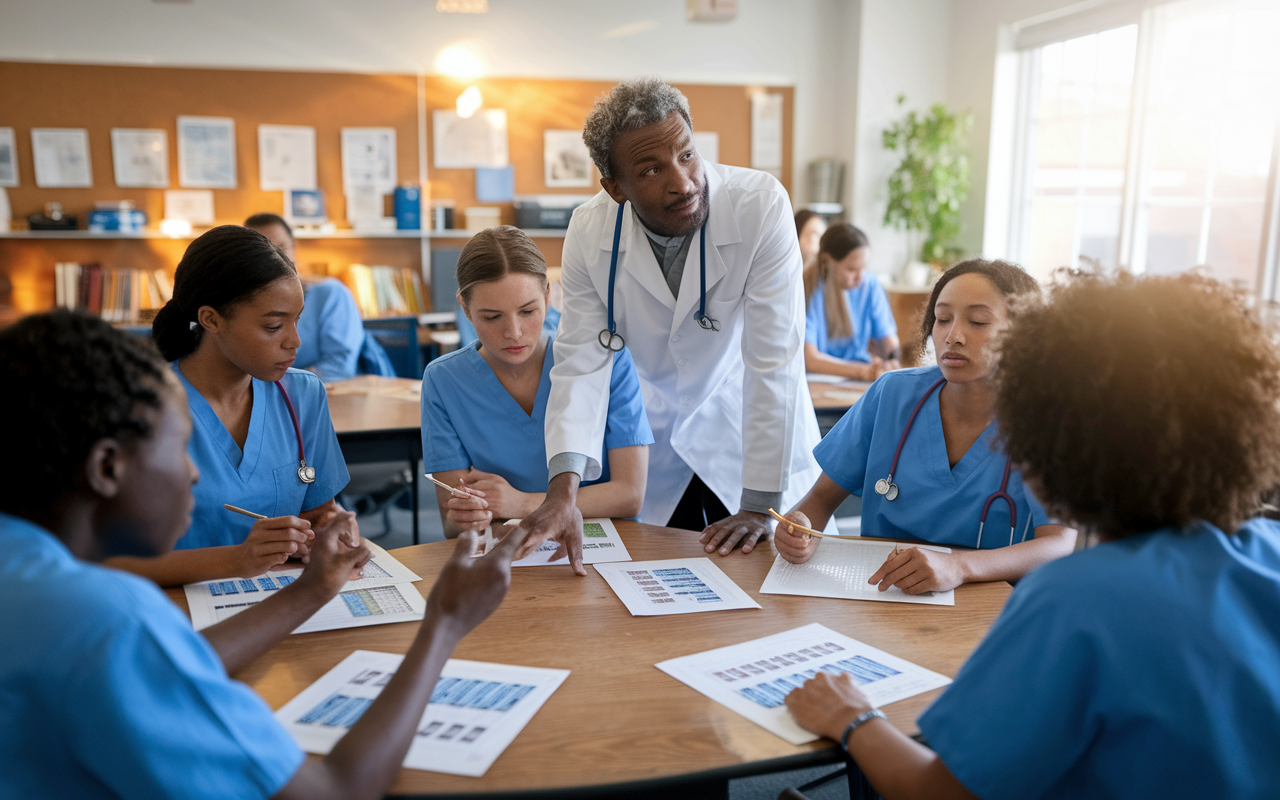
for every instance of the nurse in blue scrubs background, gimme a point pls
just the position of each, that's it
(230, 332)
(848, 328)
(1146, 410)
(951, 466)
(484, 405)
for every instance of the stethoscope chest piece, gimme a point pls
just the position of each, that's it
(306, 473)
(887, 489)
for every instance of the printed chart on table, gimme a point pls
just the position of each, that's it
(840, 568)
(754, 678)
(476, 709)
(674, 586)
(382, 595)
(600, 543)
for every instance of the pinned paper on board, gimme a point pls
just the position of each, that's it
(708, 144)
(468, 142)
(140, 158)
(206, 152)
(565, 158)
(369, 159)
(61, 158)
(286, 157)
(8, 159)
(766, 132)
(189, 205)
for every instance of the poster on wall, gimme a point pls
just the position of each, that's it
(566, 161)
(708, 144)
(61, 157)
(368, 159)
(206, 152)
(766, 132)
(140, 158)
(286, 157)
(8, 158)
(479, 140)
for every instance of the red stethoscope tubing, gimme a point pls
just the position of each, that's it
(303, 469)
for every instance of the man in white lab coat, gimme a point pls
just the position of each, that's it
(720, 358)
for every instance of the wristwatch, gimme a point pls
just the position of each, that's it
(858, 721)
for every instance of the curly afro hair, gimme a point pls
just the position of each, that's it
(73, 380)
(1135, 404)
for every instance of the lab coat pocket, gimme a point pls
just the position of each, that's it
(290, 490)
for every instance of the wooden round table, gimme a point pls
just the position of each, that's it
(617, 720)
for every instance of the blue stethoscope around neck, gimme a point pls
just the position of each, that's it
(306, 474)
(886, 488)
(609, 337)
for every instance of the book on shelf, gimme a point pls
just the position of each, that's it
(125, 296)
(386, 291)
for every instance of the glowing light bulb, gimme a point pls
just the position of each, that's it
(469, 102)
(459, 62)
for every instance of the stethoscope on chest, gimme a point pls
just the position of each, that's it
(609, 337)
(886, 488)
(306, 474)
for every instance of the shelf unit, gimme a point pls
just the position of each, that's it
(302, 233)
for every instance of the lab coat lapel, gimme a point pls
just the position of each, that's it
(635, 257)
(722, 229)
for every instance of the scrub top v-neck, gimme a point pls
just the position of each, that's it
(263, 477)
(470, 420)
(937, 502)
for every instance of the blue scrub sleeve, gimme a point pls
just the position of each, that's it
(1021, 712)
(844, 452)
(627, 425)
(442, 448)
(882, 322)
(151, 713)
(815, 319)
(321, 440)
(341, 332)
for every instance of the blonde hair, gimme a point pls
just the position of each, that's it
(494, 253)
(836, 244)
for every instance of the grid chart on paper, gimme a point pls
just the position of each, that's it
(772, 692)
(375, 602)
(266, 583)
(594, 530)
(665, 585)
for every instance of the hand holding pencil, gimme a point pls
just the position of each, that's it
(271, 541)
(794, 540)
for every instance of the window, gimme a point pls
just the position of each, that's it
(1149, 146)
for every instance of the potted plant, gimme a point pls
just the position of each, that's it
(931, 180)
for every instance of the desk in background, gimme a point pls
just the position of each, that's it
(618, 723)
(832, 400)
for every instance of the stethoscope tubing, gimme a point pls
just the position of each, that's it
(297, 430)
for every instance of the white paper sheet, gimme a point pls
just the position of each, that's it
(192, 205)
(600, 544)
(286, 157)
(140, 158)
(674, 586)
(206, 152)
(766, 132)
(477, 709)
(708, 144)
(752, 678)
(8, 158)
(467, 142)
(382, 596)
(364, 203)
(369, 159)
(61, 157)
(565, 159)
(840, 568)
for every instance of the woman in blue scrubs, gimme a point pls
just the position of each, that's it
(848, 329)
(484, 406)
(230, 332)
(950, 466)
(108, 692)
(1148, 666)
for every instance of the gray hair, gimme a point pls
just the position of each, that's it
(629, 106)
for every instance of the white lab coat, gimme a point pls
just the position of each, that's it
(732, 405)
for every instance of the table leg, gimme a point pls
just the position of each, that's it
(413, 488)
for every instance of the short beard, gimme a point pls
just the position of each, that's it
(705, 205)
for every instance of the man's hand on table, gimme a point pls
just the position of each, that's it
(558, 520)
(746, 528)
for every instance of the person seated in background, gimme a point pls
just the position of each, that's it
(849, 328)
(335, 344)
(1147, 666)
(809, 229)
(928, 433)
(484, 406)
(109, 693)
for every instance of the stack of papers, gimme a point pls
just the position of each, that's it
(754, 678)
(383, 595)
(476, 710)
(840, 568)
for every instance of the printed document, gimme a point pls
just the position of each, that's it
(600, 543)
(674, 586)
(840, 568)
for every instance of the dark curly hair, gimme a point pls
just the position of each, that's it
(73, 380)
(1134, 404)
(1011, 280)
(224, 266)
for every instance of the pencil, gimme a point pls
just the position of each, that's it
(797, 526)
(456, 490)
(230, 507)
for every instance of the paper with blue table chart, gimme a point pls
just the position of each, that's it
(600, 543)
(384, 595)
(476, 709)
(840, 568)
(753, 678)
(673, 586)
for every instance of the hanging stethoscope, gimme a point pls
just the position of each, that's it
(609, 337)
(306, 474)
(889, 490)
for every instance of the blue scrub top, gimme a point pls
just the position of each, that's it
(1147, 667)
(868, 311)
(935, 503)
(331, 331)
(106, 692)
(469, 419)
(264, 478)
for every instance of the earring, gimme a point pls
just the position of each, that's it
(192, 325)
